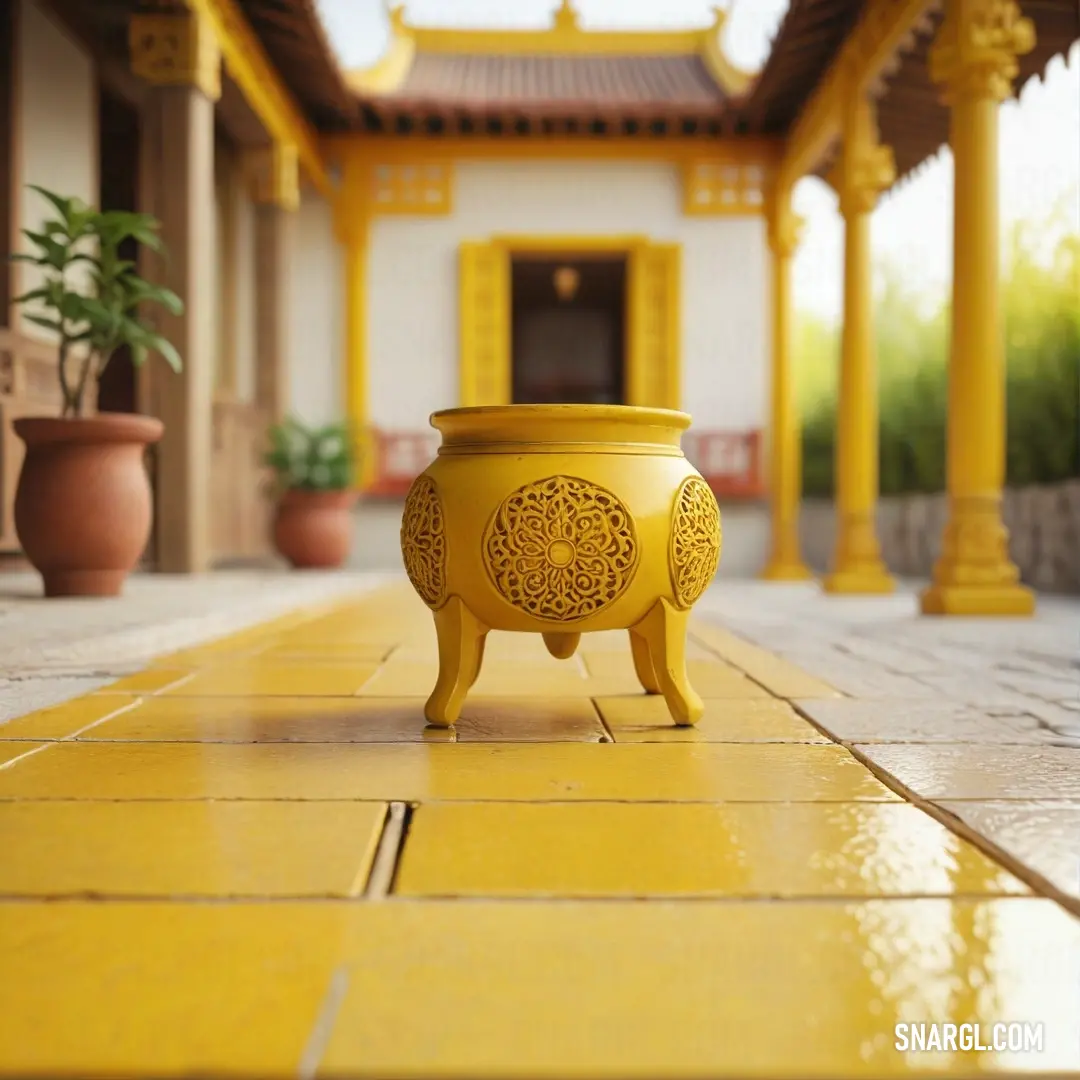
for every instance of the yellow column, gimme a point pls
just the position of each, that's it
(864, 170)
(785, 445)
(352, 214)
(974, 59)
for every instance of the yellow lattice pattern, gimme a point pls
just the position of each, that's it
(413, 189)
(715, 187)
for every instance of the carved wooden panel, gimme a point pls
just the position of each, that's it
(721, 188)
(239, 506)
(655, 302)
(485, 325)
(423, 188)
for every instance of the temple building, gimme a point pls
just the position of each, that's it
(488, 217)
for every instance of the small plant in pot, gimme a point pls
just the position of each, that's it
(84, 507)
(313, 481)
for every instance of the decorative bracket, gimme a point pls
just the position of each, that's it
(176, 50)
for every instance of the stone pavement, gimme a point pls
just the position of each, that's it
(252, 858)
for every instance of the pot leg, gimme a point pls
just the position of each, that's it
(479, 659)
(664, 633)
(461, 643)
(561, 646)
(639, 648)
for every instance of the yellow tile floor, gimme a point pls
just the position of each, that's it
(254, 859)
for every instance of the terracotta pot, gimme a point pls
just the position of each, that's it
(313, 529)
(84, 507)
(561, 520)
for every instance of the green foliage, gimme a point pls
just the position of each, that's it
(1041, 310)
(102, 309)
(314, 459)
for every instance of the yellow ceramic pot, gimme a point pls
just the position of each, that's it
(561, 520)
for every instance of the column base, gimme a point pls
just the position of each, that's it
(975, 575)
(786, 570)
(860, 581)
(977, 600)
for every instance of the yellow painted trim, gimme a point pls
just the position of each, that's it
(715, 187)
(565, 36)
(384, 148)
(424, 187)
(647, 332)
(352, 219)
(884, 28)
(262, 86)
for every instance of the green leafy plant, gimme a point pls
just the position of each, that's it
(91, 297)
(311, 458)
(1041, 309)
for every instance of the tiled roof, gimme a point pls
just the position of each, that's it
(537, 84)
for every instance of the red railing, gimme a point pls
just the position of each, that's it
(729, 461)
(399, 458)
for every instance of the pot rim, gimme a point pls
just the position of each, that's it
(589, 425)
(107, 427)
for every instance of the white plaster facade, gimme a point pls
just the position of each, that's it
(412, 306)
(57, 123)
(316, 327)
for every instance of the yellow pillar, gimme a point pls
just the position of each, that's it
(974, 59)
(864, 170)
(352, 212)
(785, 447)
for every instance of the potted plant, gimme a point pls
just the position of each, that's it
(313, 482)
(83, 506)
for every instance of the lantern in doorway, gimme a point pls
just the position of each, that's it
(566, 280)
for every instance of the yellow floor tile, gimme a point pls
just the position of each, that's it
(150, 681)
(712, 679)
(656, 849)
(246, 720)
(620, 663)
(168, 849)
(137, 989)
(646, 719)
(304, 651)
(778, 675)
(255, 679)
(416, 678)
(688, 772)
(11, 751)
(539, 990)
(60, 721)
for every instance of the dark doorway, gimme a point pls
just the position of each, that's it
(119, 143)
(568, 330)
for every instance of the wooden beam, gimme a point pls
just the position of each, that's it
(251, 69)
(884, 29)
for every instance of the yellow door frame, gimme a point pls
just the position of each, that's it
(652, 374)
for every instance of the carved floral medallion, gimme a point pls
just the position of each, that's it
(423, 541)
(695, 541)
(561, 549)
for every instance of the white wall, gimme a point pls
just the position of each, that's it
(57, 123)
(413, 295)
(316, 316)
